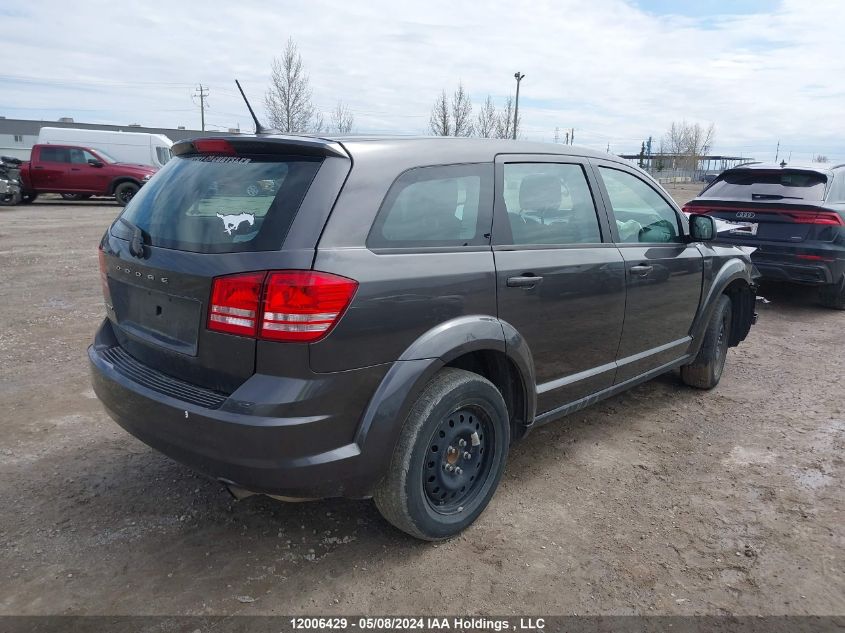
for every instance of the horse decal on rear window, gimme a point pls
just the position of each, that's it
(232, 222)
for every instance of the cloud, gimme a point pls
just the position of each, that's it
(610, 69)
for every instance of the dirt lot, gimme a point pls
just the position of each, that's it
(662, 500)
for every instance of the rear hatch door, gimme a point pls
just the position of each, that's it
(219, 207)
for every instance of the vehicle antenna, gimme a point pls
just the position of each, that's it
(259, 129)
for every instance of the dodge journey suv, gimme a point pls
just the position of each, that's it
(398, 311)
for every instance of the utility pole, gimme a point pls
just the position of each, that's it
(566, 136)
(202, 93)
(557, 134)
(572, 136)
(777, 151)
(519, 77)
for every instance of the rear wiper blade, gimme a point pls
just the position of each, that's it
(136, 243)
(773, 196)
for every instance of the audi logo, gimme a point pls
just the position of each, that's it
(747, 215)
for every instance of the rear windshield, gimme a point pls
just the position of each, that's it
(754, 184)
(220, 204)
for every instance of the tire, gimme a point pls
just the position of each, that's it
(833, 296)
(430, 491)
(253, 190)
(124, 192)
(28, 197)
(75, 196)
(706, 370)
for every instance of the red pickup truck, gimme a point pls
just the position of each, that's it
(79, 173)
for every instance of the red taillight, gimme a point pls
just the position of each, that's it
(235, 303)
(285, 305)
(829, 218)
(214, 146)
(303, 305)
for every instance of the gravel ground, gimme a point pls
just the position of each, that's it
(663, 500)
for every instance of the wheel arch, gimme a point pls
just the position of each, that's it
(120, 180)
(476, 343)
(734, 280)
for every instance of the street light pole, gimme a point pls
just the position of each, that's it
(519, 77)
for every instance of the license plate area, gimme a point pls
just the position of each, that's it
(156, 317)
(736, 228)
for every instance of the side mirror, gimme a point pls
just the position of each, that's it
(94, 163)
(702, 228)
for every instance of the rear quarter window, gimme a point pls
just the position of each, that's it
(221, 204)
(448, 205)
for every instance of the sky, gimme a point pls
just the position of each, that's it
(618, 71)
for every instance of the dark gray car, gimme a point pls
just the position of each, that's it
(398, 312)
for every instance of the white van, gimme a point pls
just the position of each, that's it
(126, 147)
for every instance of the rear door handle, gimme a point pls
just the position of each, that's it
(524, 281)
(642, 270)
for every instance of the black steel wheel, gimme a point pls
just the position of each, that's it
(449, 459)
(457, 465)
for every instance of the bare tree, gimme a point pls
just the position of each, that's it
(342, 119)
(288, 100)
(820, 158)
(452, 118)
(505, 122)
(687, 142)
(440, 123)
(485, 123)
(461, 112)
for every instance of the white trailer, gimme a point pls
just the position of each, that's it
(140, 148)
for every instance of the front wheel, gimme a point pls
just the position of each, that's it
(124, 192)
(449, 458)
(706, 370)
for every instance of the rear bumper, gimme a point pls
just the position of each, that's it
(815, 264)
(307, 453)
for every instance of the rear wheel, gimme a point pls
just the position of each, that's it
(833, 295)
(124, 192)
(706, 370)
(449, 458)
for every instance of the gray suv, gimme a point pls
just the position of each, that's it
(398, 311)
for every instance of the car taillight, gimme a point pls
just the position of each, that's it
(303, 305)
(104, 277)
(829, 218)
(235, 303)
(285, 305)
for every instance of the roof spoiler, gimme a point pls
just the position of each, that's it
(267, 144)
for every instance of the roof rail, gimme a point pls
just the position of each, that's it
(751, 162)
(838, 166)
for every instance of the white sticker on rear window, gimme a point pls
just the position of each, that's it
(232, 222)
(219, 159)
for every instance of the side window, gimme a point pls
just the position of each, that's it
(54, 155)
(77, 156)
(447, 205)
(549, 203)
(641, 214)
